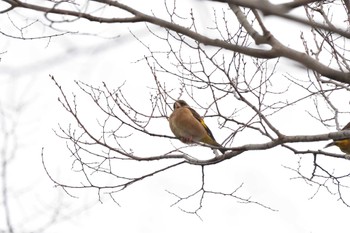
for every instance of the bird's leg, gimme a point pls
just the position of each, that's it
(186, 139)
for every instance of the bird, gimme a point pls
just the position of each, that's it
(187, 125)
(343, 144)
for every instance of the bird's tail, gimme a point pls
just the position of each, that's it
(211, 141)
(330, 144)
(214, 143)
(222, 151)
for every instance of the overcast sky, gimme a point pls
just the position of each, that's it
(28, 99)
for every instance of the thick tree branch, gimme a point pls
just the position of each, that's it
(278, 50)
(280, 10)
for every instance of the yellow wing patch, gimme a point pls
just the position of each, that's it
(200, 119)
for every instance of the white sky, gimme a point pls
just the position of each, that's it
(144, 207)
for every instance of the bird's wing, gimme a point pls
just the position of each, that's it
(200, 119)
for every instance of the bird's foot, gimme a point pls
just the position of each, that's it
(186, 140)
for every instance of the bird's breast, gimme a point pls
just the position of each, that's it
(183, 124)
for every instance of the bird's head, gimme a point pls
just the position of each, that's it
(179, 104)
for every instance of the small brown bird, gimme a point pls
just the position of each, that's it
(343, 144)
(188, 126)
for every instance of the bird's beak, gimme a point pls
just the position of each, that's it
(176, 105)
(330, 144)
